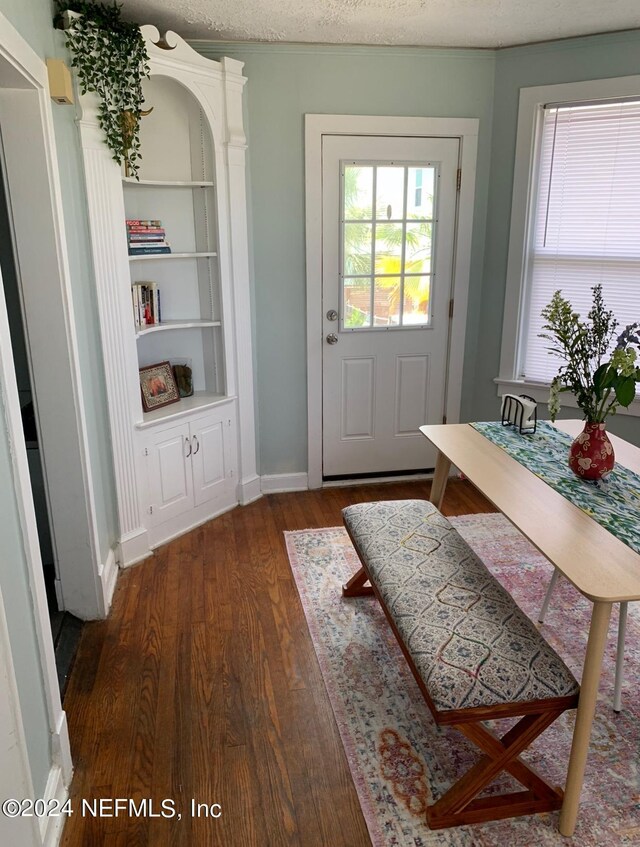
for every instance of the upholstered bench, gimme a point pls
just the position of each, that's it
(474, 653)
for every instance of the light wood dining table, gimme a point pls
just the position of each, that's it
(603, 568)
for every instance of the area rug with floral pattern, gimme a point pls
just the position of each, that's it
(401, 761)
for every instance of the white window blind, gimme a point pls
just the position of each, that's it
(586, 220)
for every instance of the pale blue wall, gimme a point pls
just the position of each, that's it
(32, 19)
(87, 327)
(285, 83)
(596, 57)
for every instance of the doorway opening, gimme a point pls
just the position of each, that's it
(65, 627)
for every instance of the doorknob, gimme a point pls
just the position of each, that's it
(332, 338)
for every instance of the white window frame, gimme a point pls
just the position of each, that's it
(404, 220)
(532, 102)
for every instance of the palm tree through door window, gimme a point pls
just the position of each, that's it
(387, 239)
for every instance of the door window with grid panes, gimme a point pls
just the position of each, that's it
(387, 237)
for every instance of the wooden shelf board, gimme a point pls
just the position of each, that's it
(199, 402)
(156, 256)
(167, 325)
(166, 183)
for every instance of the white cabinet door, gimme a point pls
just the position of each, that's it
(211, 457)
(169, 473)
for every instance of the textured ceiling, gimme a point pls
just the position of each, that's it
(433, 23)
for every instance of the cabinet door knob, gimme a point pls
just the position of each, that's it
(186, 441)
(197, 445)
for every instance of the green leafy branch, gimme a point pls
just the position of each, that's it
(599, 387)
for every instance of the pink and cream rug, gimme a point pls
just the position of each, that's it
(400, 760)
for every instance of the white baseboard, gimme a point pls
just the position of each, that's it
(249, 490)
(377, 480)
(277, 483)
(51, 827)
(166, 532)
(108, 575)
(61, 748)
(133, 548)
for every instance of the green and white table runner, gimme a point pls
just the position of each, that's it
(614, 502)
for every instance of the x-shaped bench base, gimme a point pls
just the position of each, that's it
(458, 805)
(461, 804)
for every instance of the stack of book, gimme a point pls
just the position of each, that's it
(145, 298)
(144, 237)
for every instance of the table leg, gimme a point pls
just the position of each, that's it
(584, 717)
(440, 477)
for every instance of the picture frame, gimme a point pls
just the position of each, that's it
(158, 386)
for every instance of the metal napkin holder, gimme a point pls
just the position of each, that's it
(513, 414)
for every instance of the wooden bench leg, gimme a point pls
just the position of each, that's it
(458, 805)
(356, 586)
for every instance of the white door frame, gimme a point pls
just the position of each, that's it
(61, 768)
(466, 129)
(15, 774)
(36, 199)
(35, 205)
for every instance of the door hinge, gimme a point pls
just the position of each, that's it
(459, 179)
(150, 510)
(451, 308)
(444, 419)
(146, 451)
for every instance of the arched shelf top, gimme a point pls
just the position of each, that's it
(171, 47)
(178, 136)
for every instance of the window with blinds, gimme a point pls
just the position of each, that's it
(585, 219)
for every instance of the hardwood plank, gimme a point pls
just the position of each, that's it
(204, 684)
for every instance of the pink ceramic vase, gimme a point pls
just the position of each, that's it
(591, 455)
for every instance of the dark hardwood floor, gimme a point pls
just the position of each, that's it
(203, 684)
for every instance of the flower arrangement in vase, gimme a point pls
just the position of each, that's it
(601, 378)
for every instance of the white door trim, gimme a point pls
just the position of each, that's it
(24, 70)
(15, 775)
(466, 129)
(35, 200)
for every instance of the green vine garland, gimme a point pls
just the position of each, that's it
(111, 60)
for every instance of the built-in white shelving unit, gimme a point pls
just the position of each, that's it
(161, 257)
(180, 464)
(165, 183)
(165, 325)
(200, 401)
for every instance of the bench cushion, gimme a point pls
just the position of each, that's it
(470, 642)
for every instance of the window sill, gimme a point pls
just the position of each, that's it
(540, 393)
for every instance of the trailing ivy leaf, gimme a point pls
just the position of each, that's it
(111, 61)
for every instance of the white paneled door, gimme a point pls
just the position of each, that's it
(389, 210)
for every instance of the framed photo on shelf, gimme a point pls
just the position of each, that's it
(158, 386)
